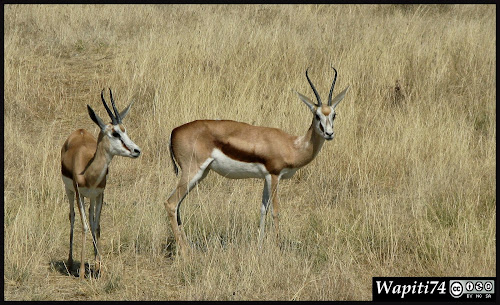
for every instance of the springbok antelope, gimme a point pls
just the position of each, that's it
(238, 151)
(84, 167)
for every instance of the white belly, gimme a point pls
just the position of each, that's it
(234, 169)
(84, 191)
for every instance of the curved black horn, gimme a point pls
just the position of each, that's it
(113, 119)
(314, 89)
(331, 89)
(117, 114)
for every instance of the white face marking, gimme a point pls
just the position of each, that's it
(234, 169)
(120, 144)
(324, 123)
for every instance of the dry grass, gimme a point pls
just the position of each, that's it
(407, 188)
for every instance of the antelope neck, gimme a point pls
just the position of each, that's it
(97, 167)
(309, 146)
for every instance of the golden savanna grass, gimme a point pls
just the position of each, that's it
(406, 188)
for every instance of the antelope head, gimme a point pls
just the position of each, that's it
(324, 115)
(115, 133)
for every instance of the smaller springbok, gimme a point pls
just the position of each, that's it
(84, 167)
(238, 151)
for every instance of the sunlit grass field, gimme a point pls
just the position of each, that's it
(406, 188)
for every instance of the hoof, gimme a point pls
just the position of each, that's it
(81, 274)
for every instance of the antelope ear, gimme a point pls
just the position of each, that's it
(308, 102)
(125, 111)
(96, 118)
(339, 97)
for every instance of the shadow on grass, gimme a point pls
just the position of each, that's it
(169, 247)
(63, 268)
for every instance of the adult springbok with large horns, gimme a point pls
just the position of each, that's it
(84, 167)
(238, 151)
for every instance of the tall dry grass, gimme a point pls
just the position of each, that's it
(407, 188)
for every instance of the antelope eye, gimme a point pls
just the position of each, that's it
(333, 117)
(116, 134)
(317, 117)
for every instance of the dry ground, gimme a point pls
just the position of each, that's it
(407, 187)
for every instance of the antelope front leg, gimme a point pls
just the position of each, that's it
(97, 234)
(264, 208)
(274, 197)
(84, 231)
(92, 222)
(71, 199)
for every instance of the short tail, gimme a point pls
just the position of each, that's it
(172, 156)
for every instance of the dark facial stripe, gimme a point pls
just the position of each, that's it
(124, 145)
